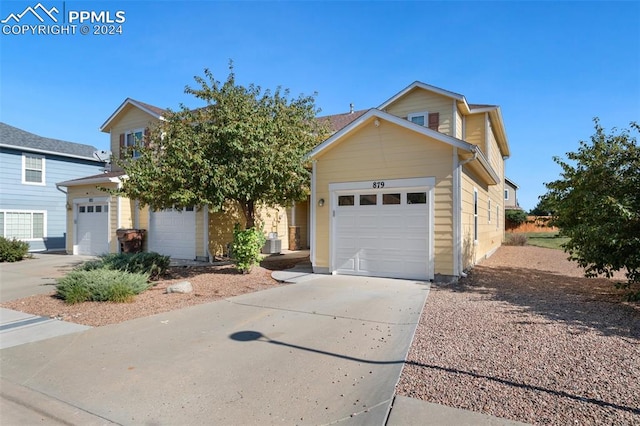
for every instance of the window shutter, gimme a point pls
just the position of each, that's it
(121, 145)
(147, 135)
(434, 120)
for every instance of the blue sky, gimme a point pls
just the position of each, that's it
(551, 66)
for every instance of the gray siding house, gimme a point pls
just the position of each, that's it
(32, 207)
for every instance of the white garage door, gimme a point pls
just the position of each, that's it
(172, 232)
(92, 227)
(382, 232)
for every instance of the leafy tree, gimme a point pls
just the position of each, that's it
(597, 203)
(244, 145)
(543, 208)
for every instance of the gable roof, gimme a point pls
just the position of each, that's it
(494, 111)
(12, 137)
(470, 151)
(153, 111)
(107, 177)
(510, 182)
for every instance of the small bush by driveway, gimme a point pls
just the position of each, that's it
(527, 338)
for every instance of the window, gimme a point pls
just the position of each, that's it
(33, 169)
(427, 119)
(22, 225)
(390, 199)
(419, 118)
(346, 200)
(506, 194)
(417, 198)
(133, 139)
(475, 215)
(368, 199)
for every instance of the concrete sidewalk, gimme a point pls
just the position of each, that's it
(18, 328)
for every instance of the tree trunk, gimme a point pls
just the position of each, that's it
(248, 208)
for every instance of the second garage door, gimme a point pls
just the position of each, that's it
(382, 232)
(172, 232)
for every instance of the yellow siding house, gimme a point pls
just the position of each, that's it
(411, 189)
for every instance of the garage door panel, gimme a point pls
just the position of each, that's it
(173, 233)
(387, 240)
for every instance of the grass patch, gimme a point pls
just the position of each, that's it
(546, 239)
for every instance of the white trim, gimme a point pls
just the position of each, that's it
(476, 216)
(457, 211)
(425, 131)
(312, 212)
(43, 170)
(44, 223)
(388, 184)
(489, 210)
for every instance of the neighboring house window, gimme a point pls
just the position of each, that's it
(506, 194)
(23, 225)
(132, 139)
(475, 215)
(430, 120)
(33, 168)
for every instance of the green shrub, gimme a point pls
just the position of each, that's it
(12, 250)
(101, 285)
(515, 217)
(246, 247)
(151, 263)
(516, 240)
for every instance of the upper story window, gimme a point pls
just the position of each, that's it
(132, 139)
(33, 169)
(427, 119)
(506, 194)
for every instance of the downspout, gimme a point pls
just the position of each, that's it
(460, 242)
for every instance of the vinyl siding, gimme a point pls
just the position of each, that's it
(14, 195)
(489, 233)
(130, 119)
(382, 153)
(91, 191)
(420, 100)
(201, 249)
(459, 132)
(474, 129)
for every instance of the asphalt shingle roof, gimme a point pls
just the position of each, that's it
(338, 121)
(19, 138)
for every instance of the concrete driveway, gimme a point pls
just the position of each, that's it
(325, 351)
(36, 275)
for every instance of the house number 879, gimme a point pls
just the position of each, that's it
(378, 185)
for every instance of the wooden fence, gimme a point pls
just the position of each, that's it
(533, 224)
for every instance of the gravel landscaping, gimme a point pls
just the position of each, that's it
(526, 337)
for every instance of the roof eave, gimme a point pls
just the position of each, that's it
(80, 182)
(44, 151)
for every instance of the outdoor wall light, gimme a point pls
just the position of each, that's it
(321, 202)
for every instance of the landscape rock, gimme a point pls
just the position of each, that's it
(181, 287)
